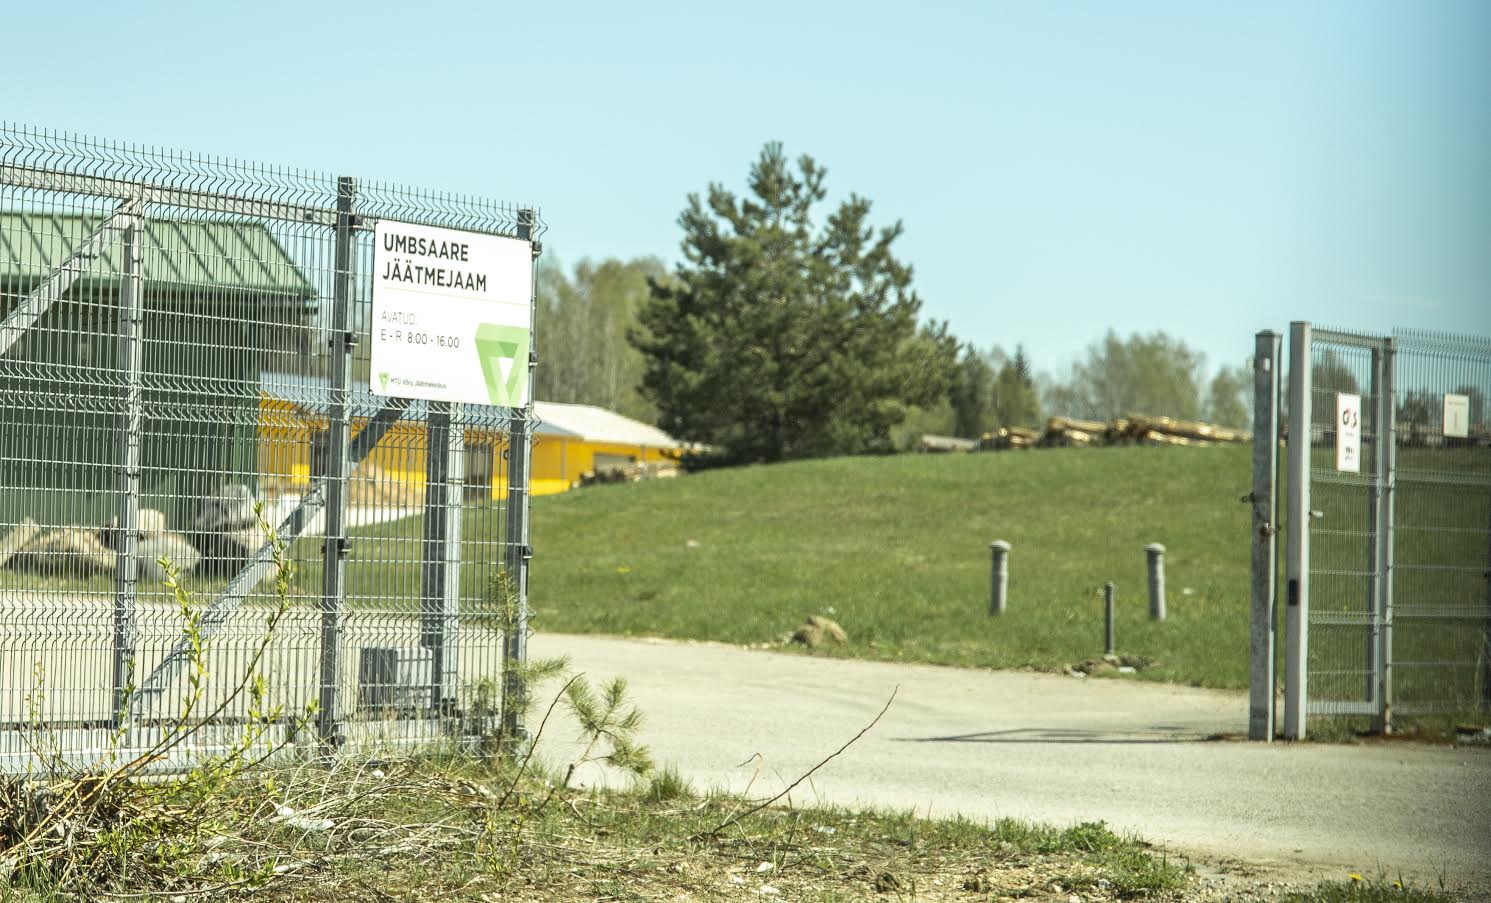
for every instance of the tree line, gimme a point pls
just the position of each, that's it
(786, 333)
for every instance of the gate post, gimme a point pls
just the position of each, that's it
(1372, 661)
(1297, 602)
(1265, 499)
(130, 362)
(517, 553)
(334, 549)
(440, 584)
(1388, 470)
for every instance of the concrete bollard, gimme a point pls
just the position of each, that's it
(1109, 645)
(1156, 553)
(1001, 576)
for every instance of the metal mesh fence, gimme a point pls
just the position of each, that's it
(1345, 539)
(1398, 544)
(184, 340)
(1441, 632)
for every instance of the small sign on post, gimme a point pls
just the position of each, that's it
(1348, 432)
(1457, 416)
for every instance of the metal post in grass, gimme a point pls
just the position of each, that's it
(1000, 576)
(1156, 557)
(516, 551)
(338, 429)
(1372, 661)
(1265, 499)
(1110, 646)
(440, 569)
(1388, 426)
(1297, 591)
(131, 360)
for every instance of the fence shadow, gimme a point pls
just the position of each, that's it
(1159, 734)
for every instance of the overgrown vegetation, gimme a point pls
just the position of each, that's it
(425, 829)
(164, 810)
(71, 826)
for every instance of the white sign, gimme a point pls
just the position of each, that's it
(452, 313)
(1348, 432)
(1457, 416)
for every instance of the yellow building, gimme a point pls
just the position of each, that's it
(573, 439)
(569, 441)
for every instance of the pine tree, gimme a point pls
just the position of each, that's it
(780, 339)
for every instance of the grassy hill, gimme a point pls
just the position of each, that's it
(896, 550)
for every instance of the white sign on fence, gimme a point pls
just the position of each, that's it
(1457, 416)
(451, 315)
(1348, 432)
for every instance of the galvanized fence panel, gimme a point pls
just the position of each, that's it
(1346, 534)
(1388, 596)
(1441, 627)
(183, 339)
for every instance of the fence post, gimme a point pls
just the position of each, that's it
(1297, 601)
(131, 360)
(1155, 555)
(1388, 470)
(1109, 644)
(440, 569)
(1000, 575)
(1372, 663)
(1264, 497)
(516, 549)
(334, 547)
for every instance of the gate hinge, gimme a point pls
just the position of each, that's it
(1267, 529)
(343, 546)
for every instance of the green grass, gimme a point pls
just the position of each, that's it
(1360, 889)
(896, 550)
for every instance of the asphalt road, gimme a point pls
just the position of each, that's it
(1143, 757)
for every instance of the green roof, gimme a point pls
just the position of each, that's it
(181, 258)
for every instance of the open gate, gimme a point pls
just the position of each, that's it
(1387, 598)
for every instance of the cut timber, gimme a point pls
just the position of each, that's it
(1063, 424)
(1138, 427)
(930, 443)
(18, 539)
(1010, 437)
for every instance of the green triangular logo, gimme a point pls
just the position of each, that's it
(503, 351)
(383, 381)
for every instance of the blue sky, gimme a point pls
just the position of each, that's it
(1060, 168)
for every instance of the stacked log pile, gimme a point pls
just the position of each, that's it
(1134, 429)
(1007, 437)
(1068, 432)
(1138, 429)
(944, 444)
(631, 473)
